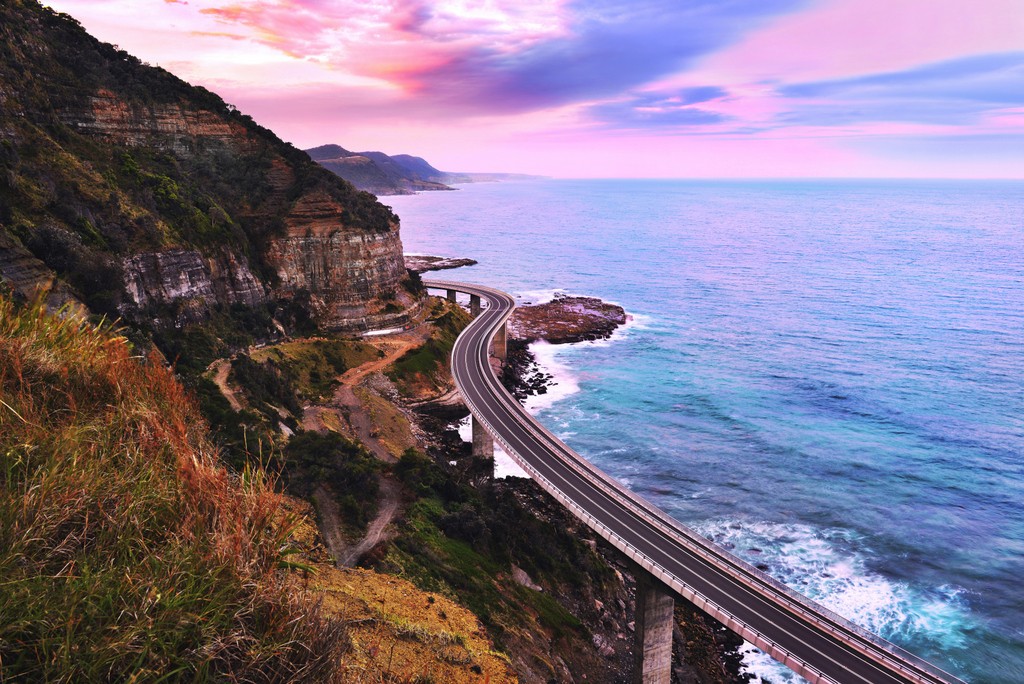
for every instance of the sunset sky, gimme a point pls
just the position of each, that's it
(627, 88)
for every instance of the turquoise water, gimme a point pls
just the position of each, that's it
(825, 377)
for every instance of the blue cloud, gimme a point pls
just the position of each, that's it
(633, 115)
(611, 47)
(955, 92)
(701, 94)
(653, 110)
(997, 78)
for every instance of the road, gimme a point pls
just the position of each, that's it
(806, 637)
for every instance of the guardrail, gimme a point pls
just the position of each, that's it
(911, 667)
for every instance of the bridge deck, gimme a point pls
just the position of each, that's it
(814, 642)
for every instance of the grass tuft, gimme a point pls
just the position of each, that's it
(127, 553)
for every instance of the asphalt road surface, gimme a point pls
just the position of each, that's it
(814, 642)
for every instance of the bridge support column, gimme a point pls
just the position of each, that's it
(451, 296)
(655, 615)
(499, 348)
(483, 443)
(474, 305)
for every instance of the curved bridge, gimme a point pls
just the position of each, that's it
(817, 644)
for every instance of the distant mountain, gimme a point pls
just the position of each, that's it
(400, 174)
(379, 173)
(421, 170)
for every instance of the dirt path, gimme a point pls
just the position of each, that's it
(390, 499)
(221, 368)
(345, 407)
(345, 404)
(330, 523)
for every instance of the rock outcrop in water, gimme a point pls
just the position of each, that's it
(146, 198)
(422, 263)
(566, 319)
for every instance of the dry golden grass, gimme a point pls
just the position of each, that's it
(127, 551)
(400, 633)
(390, 425)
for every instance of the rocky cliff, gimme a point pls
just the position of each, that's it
(144, 197)
(352, 277)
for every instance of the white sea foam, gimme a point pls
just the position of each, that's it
(823, 565)
(634, 323)
(563, 383)
(765, 669)
(538, 296)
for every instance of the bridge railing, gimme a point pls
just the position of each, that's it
(737, 568)
(843, 629)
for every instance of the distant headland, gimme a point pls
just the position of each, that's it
(400, 174)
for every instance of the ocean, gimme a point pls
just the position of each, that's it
(825, 377)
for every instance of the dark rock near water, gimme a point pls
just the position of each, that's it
(567, 319)
(422, 264)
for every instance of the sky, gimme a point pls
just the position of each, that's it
(611, 88)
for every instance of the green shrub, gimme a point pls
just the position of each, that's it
(351, 471)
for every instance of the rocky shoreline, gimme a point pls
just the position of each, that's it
(564, 320)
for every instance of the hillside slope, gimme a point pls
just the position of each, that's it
(380, 173)
(123, 187)
(129, 554)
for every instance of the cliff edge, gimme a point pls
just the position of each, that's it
(141, 196)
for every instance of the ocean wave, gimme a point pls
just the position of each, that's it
(530, 297)
(563, 383)
(634, 323)
(830, 566)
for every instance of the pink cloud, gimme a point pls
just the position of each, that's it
(564, 88)
(841, 38)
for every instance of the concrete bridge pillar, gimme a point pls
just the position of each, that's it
(451, 296)
(499, 348)
(483, 443)
(655, 615)
(474, 305)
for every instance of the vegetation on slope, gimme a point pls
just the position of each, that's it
(467, 538)
(127, 552)
(424, 371)
(313, 459)
(80, 202)
(314, 365)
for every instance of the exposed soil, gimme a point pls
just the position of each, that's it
(347, 410)
(331, 524)
(346, 407)
(221, 368)
(390, 498)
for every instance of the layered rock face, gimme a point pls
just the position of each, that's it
(347, 274)
(155, 280)
(173, 126)
(149, 199)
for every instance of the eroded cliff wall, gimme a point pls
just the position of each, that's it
(150, 199)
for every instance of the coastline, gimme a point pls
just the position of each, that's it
(542, 377)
